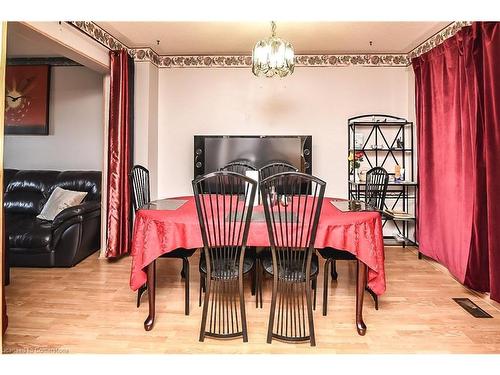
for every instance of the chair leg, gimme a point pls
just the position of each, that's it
(261, 279)
(254, 280)
(205, 309)
(325, 286)
(314, 287)
(140, 292)
(242, 307)
(374, 296)
(257, 283)
(185, 267)
(273, 310)
(310, 316)
(334, 270)
(202, 287)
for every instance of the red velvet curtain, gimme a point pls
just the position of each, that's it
(457, 106)
(119, 214)
(485, 256)
(446, 141)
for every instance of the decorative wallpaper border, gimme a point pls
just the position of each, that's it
(244, 61)
(145, 54)
(98, 34)
(354, 59)
(437, 39)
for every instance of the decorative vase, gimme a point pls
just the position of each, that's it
(362, 175)
(356, 174)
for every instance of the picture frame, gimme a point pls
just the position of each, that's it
(359, 140)
(27, 93)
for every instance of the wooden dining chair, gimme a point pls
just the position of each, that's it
(266, 171)
(139, 178)
(377, 179)
(224, 219)
(292, 218)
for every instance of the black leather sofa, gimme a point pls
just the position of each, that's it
(72, 236)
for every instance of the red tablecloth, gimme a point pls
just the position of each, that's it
(157, 232)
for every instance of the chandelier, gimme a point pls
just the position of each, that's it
(273, 56)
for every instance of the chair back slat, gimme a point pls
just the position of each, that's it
(239, 167)
(139, 178)
(376, 187)
(274, 168)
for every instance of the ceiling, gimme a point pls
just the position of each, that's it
(236, 38)
(23, 42)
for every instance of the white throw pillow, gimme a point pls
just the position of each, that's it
(58, 201)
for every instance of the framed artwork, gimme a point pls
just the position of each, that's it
(27, 99)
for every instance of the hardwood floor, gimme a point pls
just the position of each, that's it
(90, 309)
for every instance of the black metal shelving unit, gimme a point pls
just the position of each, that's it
(400, 194)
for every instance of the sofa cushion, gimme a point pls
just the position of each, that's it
(59, 200)
(28, 233)
(28, 191)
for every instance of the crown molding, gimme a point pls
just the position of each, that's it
(244, 61)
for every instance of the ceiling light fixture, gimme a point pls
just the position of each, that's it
(273, 56)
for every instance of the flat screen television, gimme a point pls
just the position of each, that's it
(212, 152)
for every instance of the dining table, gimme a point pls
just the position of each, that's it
(168, 224)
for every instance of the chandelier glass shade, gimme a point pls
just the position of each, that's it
(273, 56)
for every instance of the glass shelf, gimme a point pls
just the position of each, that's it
(388, 216)
(381, 149)
(401, 183)
(395, 194)
(379, 123)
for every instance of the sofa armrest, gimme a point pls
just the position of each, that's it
(75, 211)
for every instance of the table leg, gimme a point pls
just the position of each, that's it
(360, 291)
(151, 272)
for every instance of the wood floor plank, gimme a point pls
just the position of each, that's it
(91, 309)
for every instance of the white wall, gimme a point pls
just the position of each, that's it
(75, 139)
(146, 120)
(411, 108)
(316, 101)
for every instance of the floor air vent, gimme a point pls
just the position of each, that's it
(472, 308)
